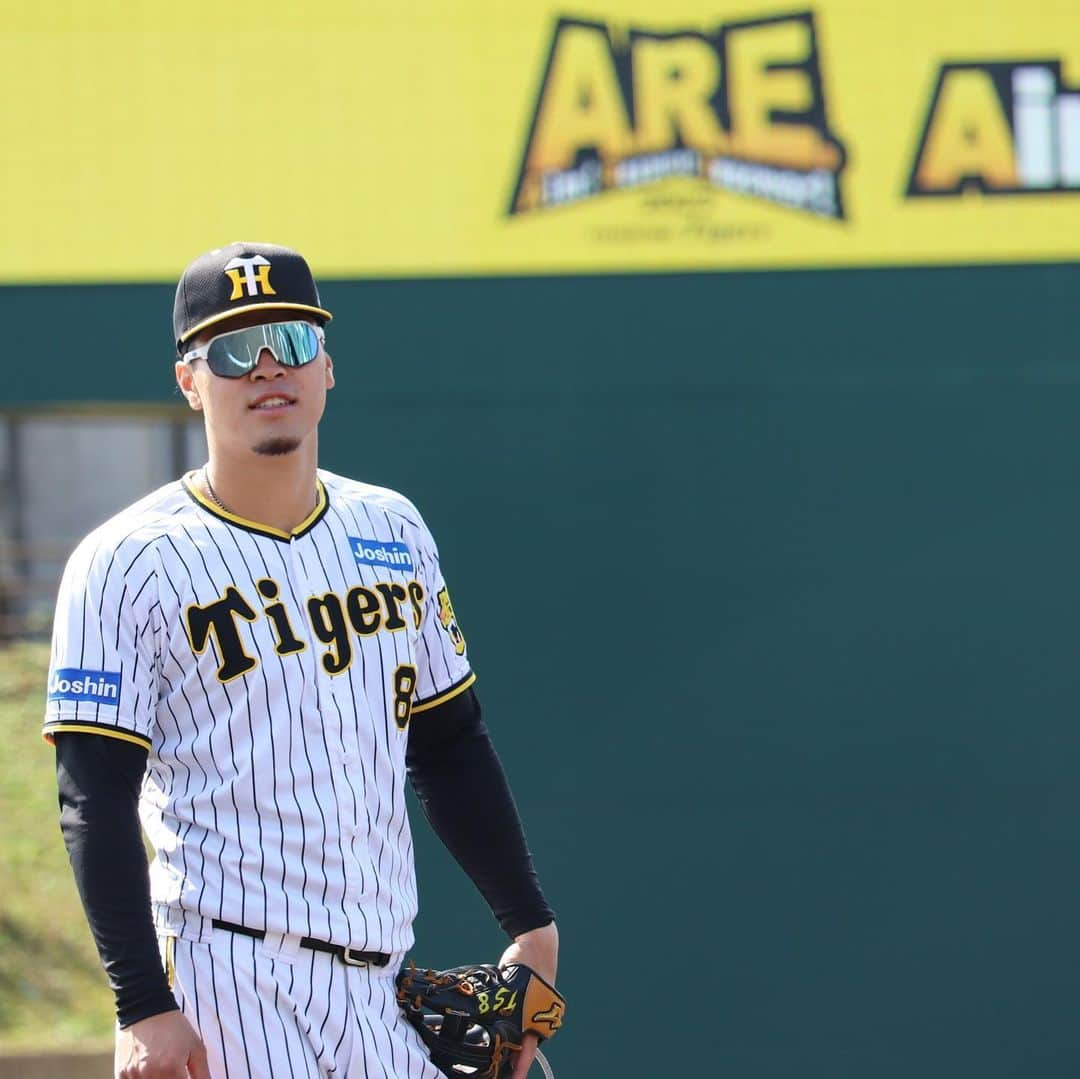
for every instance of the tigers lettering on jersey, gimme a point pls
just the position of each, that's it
(363, 611)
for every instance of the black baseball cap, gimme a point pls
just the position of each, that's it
(243, 277)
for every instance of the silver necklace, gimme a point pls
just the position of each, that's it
(221, 505)
(212, 493)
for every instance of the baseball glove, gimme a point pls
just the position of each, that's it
(472, 1019)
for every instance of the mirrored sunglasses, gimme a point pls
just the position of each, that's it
(234, 354)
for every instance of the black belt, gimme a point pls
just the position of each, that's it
(350, 956)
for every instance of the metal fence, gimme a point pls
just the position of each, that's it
(65, 470)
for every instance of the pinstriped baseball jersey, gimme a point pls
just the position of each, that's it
(272, 677)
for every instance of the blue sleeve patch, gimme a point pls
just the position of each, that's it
(94, 687)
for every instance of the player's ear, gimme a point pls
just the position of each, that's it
(329, 371)
(185, 379)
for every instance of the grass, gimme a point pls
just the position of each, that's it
(52, 990)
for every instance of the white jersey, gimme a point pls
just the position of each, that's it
(272, 677)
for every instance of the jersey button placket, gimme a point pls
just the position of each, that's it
(351, 774)
(309, 725)
(309, 697)
(333, 698)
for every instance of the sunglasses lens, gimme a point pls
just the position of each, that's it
(233, 355)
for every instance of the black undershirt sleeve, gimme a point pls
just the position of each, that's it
(99, 779)
(462, 788)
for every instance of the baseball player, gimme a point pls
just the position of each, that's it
(252, 660)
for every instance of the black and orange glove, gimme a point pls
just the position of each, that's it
(477, 1016)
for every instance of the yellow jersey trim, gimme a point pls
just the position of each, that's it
(213, 320)
(448, 695)
(321, 502)
(86, 728)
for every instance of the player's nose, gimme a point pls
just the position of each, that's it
(267, 366)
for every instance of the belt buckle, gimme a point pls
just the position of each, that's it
(351, 960)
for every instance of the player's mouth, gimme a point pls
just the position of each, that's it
(272, 402)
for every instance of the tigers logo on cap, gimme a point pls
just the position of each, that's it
(249, 276)
(237, 278)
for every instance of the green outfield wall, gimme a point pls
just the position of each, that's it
(772, 583)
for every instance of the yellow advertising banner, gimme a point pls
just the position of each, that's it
(485, 137)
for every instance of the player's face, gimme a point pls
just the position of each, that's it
(271, 410)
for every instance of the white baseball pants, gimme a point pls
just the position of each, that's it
(270, 1009)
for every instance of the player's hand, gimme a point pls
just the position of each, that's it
(164, 1046)
(538, 949)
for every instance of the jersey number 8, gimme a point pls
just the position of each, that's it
(404, 687)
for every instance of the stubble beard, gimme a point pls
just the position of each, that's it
(277, 447)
